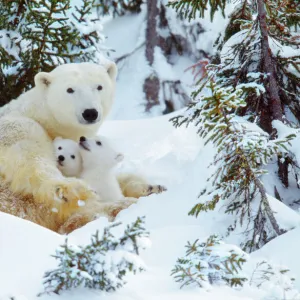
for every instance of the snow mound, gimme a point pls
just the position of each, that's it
(175, 158)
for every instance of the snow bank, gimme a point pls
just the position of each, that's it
(173, 157)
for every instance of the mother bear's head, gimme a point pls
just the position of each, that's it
(79, 94)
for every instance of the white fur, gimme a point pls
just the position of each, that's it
(30, 123)
(28, 126)
(68, 157)
(98, 168)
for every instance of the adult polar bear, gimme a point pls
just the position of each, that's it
(70, 101)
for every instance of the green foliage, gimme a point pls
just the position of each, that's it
(242, 150)
(40, 35)
(283, 17)
(100, 265)
(118, 7)
(208, 263)
(240, 17)
(190, 8)
(236, 114)
(244, 58)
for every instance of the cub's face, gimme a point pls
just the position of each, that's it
(68, 157)
(79, 95)
(98, 153)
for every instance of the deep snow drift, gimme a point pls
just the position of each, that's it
(178, 159)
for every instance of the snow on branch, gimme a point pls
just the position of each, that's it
(102, 264)
(243, 149)
(210, 263)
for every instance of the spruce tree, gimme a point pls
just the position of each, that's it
(100, 265)
(210, 263)
(253, 88)
(39, 35)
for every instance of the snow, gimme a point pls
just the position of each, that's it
(134, 69)
(282, 50)
(81, 203)
(176, 158)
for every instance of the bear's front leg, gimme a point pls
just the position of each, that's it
(136, 186)
(27, 164)
(93, 210)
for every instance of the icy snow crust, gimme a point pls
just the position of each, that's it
(169, 156)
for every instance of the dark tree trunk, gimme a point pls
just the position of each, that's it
(265, 119)
(171, 92)
(283, 170)
(151, 90)
(274, 102)
(151, 33)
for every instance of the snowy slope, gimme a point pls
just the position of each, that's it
(126, 36)
(173, 157)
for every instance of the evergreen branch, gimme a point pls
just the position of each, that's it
(204, 266)
(101, 265)
(190, 8)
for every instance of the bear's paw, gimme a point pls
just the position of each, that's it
(72, 192)
(154, 189)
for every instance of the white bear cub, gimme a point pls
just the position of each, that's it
(98, 162)
(68, 157)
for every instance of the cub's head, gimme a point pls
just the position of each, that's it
(68, 157)
(98, 153)
(79, 94)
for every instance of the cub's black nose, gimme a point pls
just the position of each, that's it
(90, 115)
(61, 158)
(82, 139)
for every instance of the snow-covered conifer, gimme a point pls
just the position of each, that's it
(253, 81)
(275, 280)
(243, 150)
(102, 264)
(38, 35)
(210, 263)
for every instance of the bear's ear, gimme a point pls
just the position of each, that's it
(112, 70)
(42, 79)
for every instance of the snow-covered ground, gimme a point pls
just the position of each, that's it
(176, 158)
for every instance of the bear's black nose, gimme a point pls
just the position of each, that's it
(61, 158)
(90, 115)
(82, 139)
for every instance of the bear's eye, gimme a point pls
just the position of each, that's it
(70, 90)
(99, 87)
(59, 148)
(98, 143)
(73, 156)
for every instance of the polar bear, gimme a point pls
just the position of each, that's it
(68, 157)
(27, 208)
(70, 101)
(96, 168)
(98, 161)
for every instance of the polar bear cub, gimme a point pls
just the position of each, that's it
(98, 161)
(68, 157)
(92, 160)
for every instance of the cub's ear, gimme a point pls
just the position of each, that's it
(42, 79)
(112, 70)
